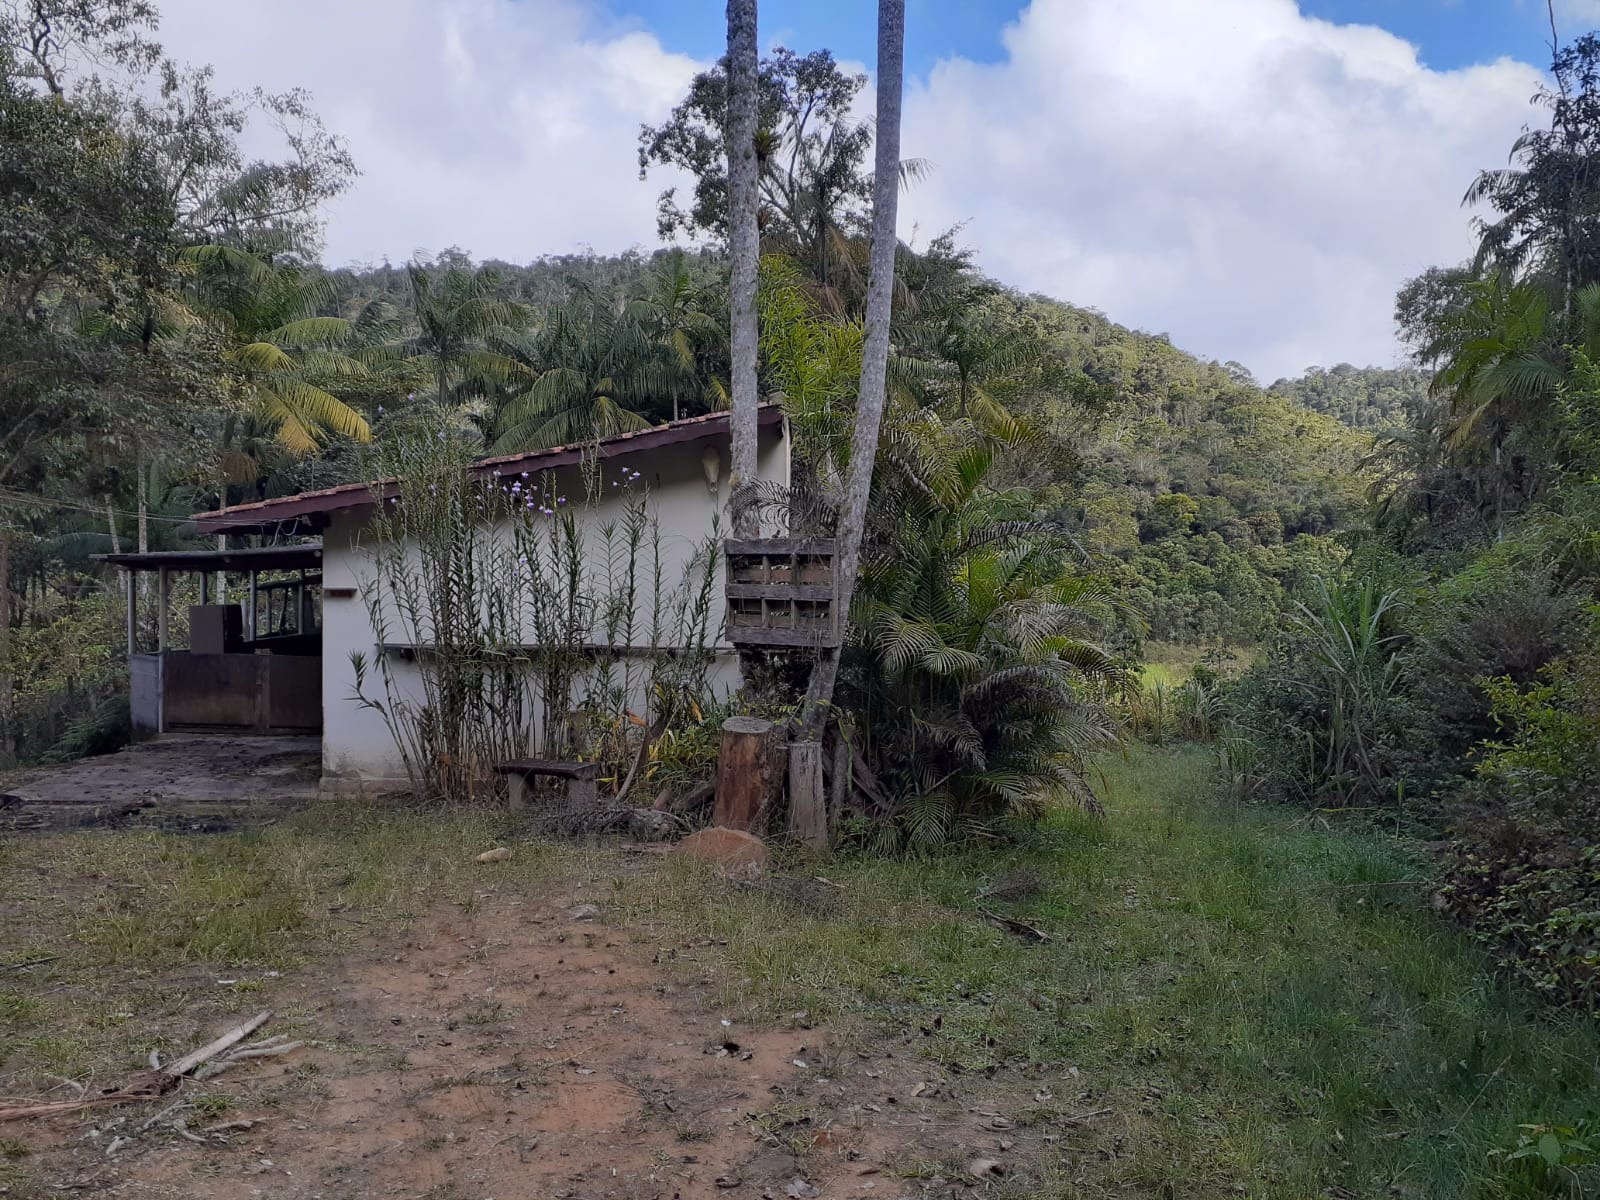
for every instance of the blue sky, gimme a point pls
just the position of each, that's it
(1449, 33)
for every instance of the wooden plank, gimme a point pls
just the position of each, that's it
(743, 772)
(808, 812)
(209, 691)
(780, 591)
(133, 612)
(294, 696)
(557, 767)
(779, 547)
(757, 635)
(263, 692)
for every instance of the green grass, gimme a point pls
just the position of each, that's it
(1264, 1008)
(1269, 1010)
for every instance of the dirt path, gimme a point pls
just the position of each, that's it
(523, 1051)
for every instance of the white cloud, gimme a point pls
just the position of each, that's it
(507, 128)
(1254, 182)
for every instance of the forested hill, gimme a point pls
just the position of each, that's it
(1210, 496)
(1214, 497)
(1362, 397)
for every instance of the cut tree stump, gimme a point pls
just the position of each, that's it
(744, 772)
(808, 810)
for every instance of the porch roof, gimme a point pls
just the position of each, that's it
(304, 556)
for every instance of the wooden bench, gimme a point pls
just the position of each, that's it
(580, 778)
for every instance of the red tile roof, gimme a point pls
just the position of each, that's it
(358, 495)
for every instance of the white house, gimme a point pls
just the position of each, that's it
(280, 659)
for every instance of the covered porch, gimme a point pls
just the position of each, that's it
(246, 665)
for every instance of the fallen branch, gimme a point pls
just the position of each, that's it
(1021, 928)
(32, 962)
(211, 1049)
(148, 1085)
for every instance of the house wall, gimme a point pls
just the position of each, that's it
(357, 747)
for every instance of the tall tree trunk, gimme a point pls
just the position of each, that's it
(144, 502)
(111, 524)
(744, 252)
(874, 350)
(8, 729)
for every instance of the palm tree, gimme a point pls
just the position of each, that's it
(678, 313)
(960, 359)
(1504, 354)
(457, 312)
(973, 645)
(591, 370)
(280, 348)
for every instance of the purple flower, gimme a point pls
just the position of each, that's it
(561, 500)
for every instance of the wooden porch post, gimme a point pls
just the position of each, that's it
(163, 599)
(133, 612)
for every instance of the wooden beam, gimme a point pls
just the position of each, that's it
(780, 591)
(810, 547)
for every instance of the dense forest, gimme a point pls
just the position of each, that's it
(1372, 398)
(1405, 555)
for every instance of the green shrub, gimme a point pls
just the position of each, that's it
(1549, 1160)
(1525, 872)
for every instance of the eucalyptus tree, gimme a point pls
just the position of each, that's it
(810, 155)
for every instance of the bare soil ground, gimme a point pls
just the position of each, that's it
(515, 1051)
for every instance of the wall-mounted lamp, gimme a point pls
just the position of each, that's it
(711, 463)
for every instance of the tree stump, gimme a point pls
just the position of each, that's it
(744, 772)
(808, 811)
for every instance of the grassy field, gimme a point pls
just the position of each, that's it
(1250, 1006)
(1269, 1009)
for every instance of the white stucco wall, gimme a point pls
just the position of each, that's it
(357, 748)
